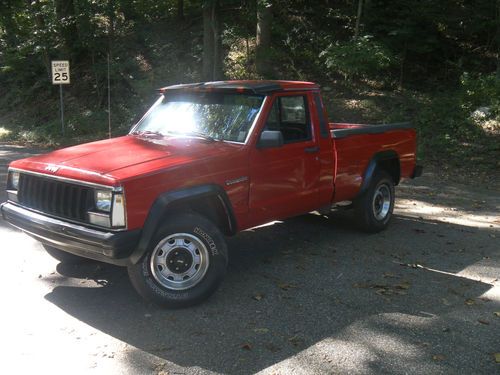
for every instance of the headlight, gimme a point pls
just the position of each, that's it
(103, 200)
(13, 181)
(109, 209)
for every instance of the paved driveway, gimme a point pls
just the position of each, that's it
(309, 295)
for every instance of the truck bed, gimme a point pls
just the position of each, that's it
(355, 145)
(342, 130)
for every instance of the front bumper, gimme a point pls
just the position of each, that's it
(108, 247)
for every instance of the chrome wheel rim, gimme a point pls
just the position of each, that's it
(179, 261)
(381, 202)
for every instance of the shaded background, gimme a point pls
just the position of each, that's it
(435, 63)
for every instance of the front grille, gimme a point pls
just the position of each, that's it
(55, 197)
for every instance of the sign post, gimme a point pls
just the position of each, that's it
(60, 76)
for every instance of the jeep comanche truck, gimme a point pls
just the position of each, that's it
(206, 161)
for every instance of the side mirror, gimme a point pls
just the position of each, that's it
(270, 138)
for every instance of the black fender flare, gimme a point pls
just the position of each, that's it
(372, 168)
(165, 200)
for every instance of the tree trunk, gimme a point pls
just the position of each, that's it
(498, 39)
(217, 73)
(208, 42)
(402, 66)
(263, 37)
(212, 42)
(40, 25)
(180, 10)
(65, 11)
(358, 19)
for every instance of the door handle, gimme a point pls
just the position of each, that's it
(311, 150)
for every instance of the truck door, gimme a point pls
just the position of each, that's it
(284, 180)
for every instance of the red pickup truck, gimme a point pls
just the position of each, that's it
(206, 161)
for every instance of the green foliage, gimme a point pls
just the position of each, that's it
(460, 126)
(362, 57)
(482, 90)
(439, 54)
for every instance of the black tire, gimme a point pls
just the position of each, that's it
(374, 208)
(194, 244)
(63, 256)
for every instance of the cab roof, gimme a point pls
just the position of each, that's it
(251, 87)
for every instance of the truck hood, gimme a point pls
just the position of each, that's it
(110, 159)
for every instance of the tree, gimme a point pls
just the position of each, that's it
(65, 11)
(498, 38)
(263, 40)
(212, 42)
(180, 10)
(7, 19)
(41, 27)
(358, 18)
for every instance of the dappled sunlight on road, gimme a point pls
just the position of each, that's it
(381, 343)
(436, 212)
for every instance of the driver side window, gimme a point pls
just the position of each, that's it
(289, 115)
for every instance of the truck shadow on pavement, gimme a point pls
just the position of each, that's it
(313, 294)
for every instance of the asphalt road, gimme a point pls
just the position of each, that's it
(310, 295)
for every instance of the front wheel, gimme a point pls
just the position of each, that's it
(186, 264)
(374, 208)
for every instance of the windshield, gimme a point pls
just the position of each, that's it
(217, 116)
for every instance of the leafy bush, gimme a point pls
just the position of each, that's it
(362, 57)
(481, 91)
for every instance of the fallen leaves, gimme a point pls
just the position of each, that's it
(258, 296)
(246, 346)
(261, 330)
(483, 321)
(497, 357)
(497, 314)
(296, 340)
(470, 302)
(388, 275)
(286, 286)
(384, 289)
(404, 285)
(438, 357)
(272, 348)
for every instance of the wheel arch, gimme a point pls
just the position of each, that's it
(210, 201)
(388, 161)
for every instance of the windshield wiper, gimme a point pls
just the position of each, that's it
(188, 133)
(201, 135)
(147, 132)
(194, 133)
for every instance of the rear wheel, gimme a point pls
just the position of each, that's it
(63, 256)
(185, 266)
(374, 208)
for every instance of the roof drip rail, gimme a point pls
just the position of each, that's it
(250, 87)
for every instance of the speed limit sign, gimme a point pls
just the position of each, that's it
(60, 72)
